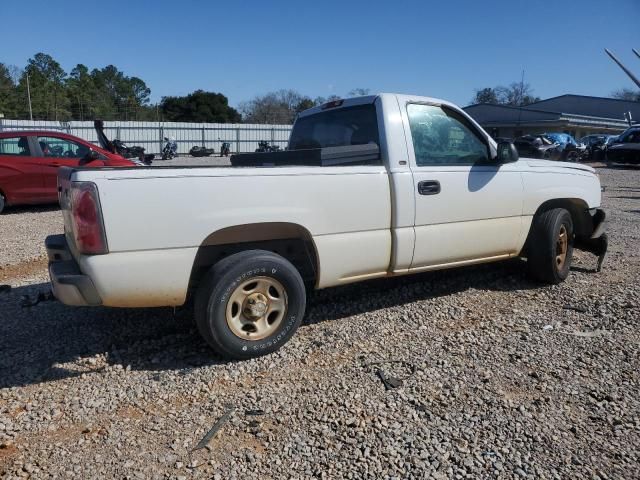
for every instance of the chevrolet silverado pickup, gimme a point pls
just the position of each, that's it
(369, 187)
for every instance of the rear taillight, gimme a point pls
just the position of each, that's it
(88, 228)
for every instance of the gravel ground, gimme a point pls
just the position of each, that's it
(22, 232)
(500, 379)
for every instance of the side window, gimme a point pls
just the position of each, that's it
(439, 138)
(60, 147)
(18, 146)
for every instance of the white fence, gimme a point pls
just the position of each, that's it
(150, 135)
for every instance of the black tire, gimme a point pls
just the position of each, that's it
(223, 279)
(3, 202)
(544, 246)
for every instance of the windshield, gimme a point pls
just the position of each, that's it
(336, 128)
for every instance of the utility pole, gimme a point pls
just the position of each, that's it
(29, 97)
(521, 99)
(624, 69)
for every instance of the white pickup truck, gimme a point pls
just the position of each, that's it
(369, 187)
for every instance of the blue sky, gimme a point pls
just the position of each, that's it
(442, 49)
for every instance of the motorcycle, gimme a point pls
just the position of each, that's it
(134, 151)
(264, 147)
(119, 147)
(170, 149)
(225, 149)
(197, 151)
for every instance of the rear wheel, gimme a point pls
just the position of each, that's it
(3, 202)
(550, 247)
(250, 304)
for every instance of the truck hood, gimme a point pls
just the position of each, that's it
(535, 163)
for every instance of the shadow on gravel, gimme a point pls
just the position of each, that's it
(51, 341)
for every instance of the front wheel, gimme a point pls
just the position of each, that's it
(550, 246)
(3, 202)
(250, 304)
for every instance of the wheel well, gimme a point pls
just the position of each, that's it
(288, 240)
(579, 210)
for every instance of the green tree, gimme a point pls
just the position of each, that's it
(485, 95)
(117, 96)
(517, 94)
(280, 107)
(199, 106)
(627, 94)
(81, 92)
(47, 86)
(304, 104)
(359, 92)
(9, 98)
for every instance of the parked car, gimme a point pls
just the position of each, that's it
(569, 149)
(383, 185)
(29, 163)
(537, 146)
(610, 139)
(596, 144)
(625, 148)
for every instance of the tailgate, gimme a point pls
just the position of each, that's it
(64, 198)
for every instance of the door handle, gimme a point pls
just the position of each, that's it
(429, 187)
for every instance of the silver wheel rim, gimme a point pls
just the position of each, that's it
(256, 308)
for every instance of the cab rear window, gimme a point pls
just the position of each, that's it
(356, 125)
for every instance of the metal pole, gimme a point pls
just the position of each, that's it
(203, 136)
(29, 97)
(625, 69)
(636, 52)
(238, 140)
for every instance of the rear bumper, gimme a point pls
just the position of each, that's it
(69, 284)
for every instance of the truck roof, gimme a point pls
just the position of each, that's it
(366, 99)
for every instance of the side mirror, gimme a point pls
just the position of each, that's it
(507, 153)
(91, 156)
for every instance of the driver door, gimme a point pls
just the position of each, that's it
(467, 207)
(56, 152)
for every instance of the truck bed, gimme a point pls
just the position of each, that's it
(157, 218)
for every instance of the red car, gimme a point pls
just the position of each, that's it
(29, 163)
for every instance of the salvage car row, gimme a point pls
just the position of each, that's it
(623, 148)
